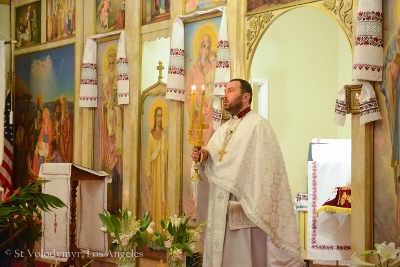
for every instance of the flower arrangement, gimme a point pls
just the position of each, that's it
(126, 231)
(178, 238)
(27, 201)
(384, 255)
(20, 219)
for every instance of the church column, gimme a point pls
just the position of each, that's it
(237, 37)
(361, 185)
(131, 135)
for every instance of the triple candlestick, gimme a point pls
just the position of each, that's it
(195, 133)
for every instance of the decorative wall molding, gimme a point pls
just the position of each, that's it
(342, 10)
(257, 24)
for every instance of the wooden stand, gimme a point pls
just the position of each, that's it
(77, 174)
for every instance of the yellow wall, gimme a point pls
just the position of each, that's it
(152, 52)
(305, 67)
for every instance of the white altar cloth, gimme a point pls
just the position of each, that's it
(55, 225)
(328, 167)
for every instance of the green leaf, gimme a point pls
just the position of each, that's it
(113, 246)
(107, 223)
(116, 225)
(367, 252)
(125, 219)
(186, 248)
(159, 239)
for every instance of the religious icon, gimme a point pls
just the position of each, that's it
(44, 94)
(60, 19)
(27, 25)
(155, 11)
(154, 182)
(110, 15)
(108, 123)
(201, 38)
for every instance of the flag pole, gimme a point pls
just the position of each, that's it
(12, 81)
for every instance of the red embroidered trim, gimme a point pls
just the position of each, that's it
(122, 60)
(177, 52)
(222, 64)
(369, 106)
(242, 113)
(314, 243)
(175, 70)
(89, 81)
(369, 16)
(176, 91)
(367, 67)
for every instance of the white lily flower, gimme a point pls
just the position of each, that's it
(387, 251)
(178, 222)
(174, 220)
(152, 224)
(129, 213)
(357, 262)
(103, 229)
(150, 230)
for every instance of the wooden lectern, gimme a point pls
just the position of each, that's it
(78, 174)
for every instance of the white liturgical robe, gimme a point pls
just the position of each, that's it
(253, 171)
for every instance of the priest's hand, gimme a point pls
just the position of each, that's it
(199, 155)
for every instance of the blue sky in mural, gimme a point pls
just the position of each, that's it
(49, 72)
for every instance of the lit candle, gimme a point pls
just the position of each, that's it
(200, 118)
(192, 107)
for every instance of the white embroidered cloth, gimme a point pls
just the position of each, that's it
(328, 234)
(92, 201)
(88, 89)
(301, 202)
(90, 192)
(253, 154)
(122, 72)
(55, 225)
(176, 68)
(88, 86)
(368, 44)
(222, 72)
(369, 110)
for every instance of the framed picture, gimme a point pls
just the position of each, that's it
(154, 182)
(197, 5)
(353, 93)
(60, 19)
(201, 38)
(110, 15)
(155, 11)
(257, 5)
(44, 94)
(108, 126)
(27, 24)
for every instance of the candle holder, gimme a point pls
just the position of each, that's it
(195, 138)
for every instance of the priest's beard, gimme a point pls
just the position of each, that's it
(235, 105)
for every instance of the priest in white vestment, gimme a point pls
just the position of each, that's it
(244, 166)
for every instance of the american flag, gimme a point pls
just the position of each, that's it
(6, 164)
